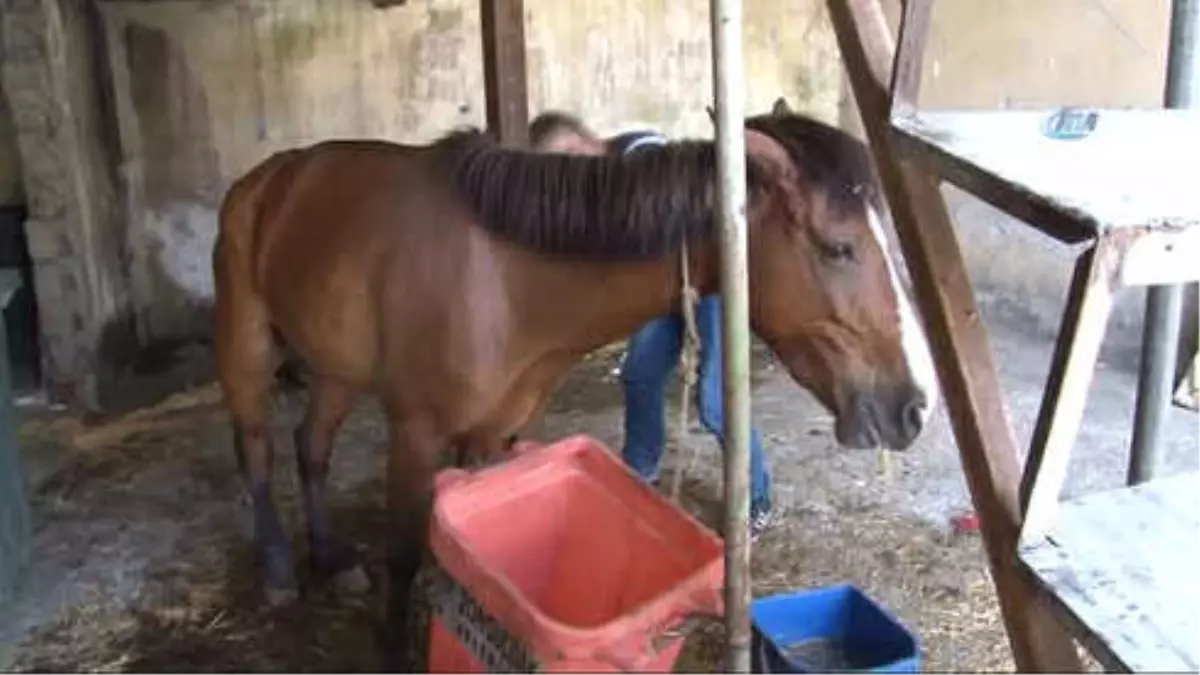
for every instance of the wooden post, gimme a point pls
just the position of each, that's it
(502, 23)
(728, 104)
(965, 364)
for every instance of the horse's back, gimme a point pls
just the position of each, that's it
(321, 223)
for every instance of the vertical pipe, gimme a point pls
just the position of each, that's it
(1183, 58)
(729, 100)
(1164, 304)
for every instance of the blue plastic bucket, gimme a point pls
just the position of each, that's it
(827, 630)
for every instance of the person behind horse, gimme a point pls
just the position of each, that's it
(654, 350)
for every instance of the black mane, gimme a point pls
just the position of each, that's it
(631, 207)
(838, 164)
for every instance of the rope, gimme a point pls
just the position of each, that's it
(688, 362)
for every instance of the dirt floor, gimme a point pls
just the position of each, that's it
(143, 561)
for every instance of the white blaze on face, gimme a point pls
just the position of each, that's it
(912, 336)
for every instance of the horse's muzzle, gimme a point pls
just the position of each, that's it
(888, 416)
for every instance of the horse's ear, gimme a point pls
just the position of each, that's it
(767, 153)
(781, 107)
(712, 114)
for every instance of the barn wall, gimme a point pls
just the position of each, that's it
(204, 90)
(200, 90)
(55, 88)
(12, 189)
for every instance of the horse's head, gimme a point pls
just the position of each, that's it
(824, 293)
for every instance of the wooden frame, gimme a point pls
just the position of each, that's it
(1146, 245)
(963, 356)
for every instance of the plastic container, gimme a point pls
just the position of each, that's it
(832, 629)
(561, 559)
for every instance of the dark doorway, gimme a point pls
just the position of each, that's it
(20, 317)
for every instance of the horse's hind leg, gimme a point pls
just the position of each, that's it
(246, 361)
(330, 401)
(412, 461)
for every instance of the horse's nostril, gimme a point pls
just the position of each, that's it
(913, 416)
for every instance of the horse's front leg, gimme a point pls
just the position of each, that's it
(330, 401)
(412, 461)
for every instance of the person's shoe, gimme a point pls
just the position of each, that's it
(762, 516)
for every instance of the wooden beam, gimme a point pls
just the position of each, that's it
(910, 57)
(502, 23)
(1160, 257)
(965, 364)
(1072, 367)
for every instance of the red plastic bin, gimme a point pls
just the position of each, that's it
(561, 559)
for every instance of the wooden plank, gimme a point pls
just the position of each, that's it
(1121, 563)
(1162, 257)
(1089, 305)
(1030, 209)
(1136, 169)
(502, 24)
(963, 356)
(910, 57)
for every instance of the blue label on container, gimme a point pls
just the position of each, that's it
(1070, 123)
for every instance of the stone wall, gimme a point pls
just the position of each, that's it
(55, 89)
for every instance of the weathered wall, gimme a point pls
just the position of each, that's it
(56, 92)
(204, 90)
(12, 189)
(1016, 54)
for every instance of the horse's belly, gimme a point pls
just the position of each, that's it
(332, 332)
(526, 396)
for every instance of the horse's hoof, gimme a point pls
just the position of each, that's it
(281, 597)
(352, 581)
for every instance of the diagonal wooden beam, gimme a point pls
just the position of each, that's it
(963, 355)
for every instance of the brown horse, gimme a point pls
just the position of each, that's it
(459, 281)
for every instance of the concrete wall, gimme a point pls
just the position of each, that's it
(56, 89)
(12, 189)
(196, 92)
(1017, 54)
(204, 90)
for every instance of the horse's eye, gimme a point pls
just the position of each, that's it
(838, 251)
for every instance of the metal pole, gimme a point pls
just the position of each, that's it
(1164, 304)
(729, 95)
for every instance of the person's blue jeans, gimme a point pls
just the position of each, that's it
(651, 356)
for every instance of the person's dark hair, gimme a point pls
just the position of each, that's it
(550, 122)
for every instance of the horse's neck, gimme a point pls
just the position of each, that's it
(596, 303)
